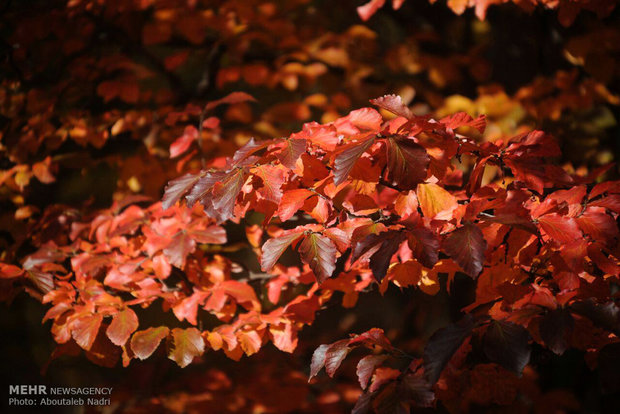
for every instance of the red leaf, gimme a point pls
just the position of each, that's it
(210, 235)
(225, 194)
(291, 152)
(178, 249)
(250, 147)
(187, 344)
(559, 228)
(366, 366)
(176, 188)
(334, 355)
(84, 329)
(243, 293)
(291, 202)
(123, 325)
(319, 252)
(370, 338)
(367, 10)
(8, 271)
(272, 178)
(273, 249)
(598, 224)
(284, 337)
(181, 144)
(371, 242)
(407, 163)
(424, 245)
(232, 98)
(144, 343)
(339, 237)
(611, 202)
(535, 144)
(325, 136)
(203, 185)
(42, 280)
(460, 119)
(365, 119)
(318, 360)
(406, 204)
(380, 260)
(466, 246)
(347, 155)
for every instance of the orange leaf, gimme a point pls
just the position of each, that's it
(144, 343)
(123, 325)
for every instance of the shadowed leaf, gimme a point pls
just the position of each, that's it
(424, 245)
(604, 315)
(407, 163)
(318, 360)
(507, 344)
(334, 355)
(380, 260)
(416, 388)
(466, 246)
(443, 344)
(366, 366)
(556, 328)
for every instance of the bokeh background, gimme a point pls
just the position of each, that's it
(87, 89)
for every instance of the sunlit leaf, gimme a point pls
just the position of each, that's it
(273, 249)
(347, 156)
(187, 344)
(320, 253)
(122, 326)
(144, 343)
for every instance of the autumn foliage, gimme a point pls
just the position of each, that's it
(202, 181)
